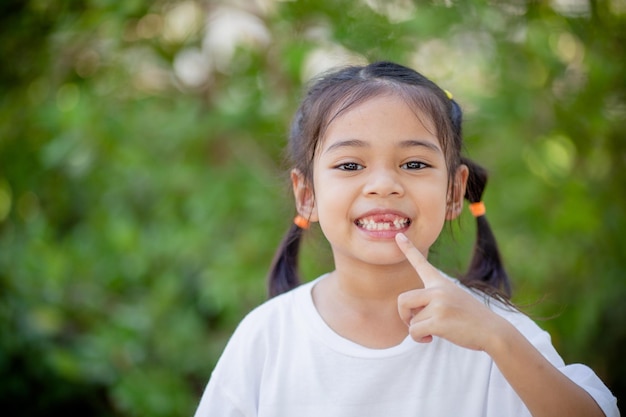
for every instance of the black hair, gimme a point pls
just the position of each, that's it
(337, 91)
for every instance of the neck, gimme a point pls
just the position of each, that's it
(361, 304)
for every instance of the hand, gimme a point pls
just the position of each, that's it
(444, 309)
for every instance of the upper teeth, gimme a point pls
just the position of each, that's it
(369, 224)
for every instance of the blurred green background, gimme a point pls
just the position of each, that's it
(142, 184)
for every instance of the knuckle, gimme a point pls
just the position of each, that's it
(438, 292)
(415, 332)
(406, 298)
(439, 308)
(403, 303)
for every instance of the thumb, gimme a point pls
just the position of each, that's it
(429, 275)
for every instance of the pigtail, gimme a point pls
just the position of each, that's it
(283, 275)
(486, 265)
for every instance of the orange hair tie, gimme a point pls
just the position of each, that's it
(301, 222)
(478, 209)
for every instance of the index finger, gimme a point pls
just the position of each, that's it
(428, 273)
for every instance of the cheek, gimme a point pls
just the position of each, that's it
(330, 196)
(431, 202)
(432, 191)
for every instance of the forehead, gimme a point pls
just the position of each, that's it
(379, 119)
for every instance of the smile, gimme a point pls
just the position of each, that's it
(382, 223)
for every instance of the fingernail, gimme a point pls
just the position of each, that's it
(401, 237)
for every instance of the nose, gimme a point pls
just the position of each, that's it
(383, 183)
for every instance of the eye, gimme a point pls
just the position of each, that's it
(350, 166)
(414, 165)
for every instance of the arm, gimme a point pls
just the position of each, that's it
(215, 402)
(542, 387)
(443, 309)
(232, 390)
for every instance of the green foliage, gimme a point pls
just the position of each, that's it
(142, 190)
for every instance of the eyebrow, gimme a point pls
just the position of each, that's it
(357, 143)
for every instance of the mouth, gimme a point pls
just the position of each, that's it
(383, 222)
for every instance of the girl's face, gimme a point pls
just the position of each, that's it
(379, 171)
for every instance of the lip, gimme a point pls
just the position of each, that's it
(391, 223)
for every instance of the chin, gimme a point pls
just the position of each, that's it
(383, 257)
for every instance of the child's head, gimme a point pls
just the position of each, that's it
(338, 92)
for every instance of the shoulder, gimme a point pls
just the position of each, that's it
(251, 349)
(279, 304)
(272, 317)
(256, 336)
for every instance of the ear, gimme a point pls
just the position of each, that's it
(304, 195)
(456, 193)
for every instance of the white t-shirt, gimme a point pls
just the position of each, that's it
(284, 361)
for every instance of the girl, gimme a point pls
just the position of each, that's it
(376, 153)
